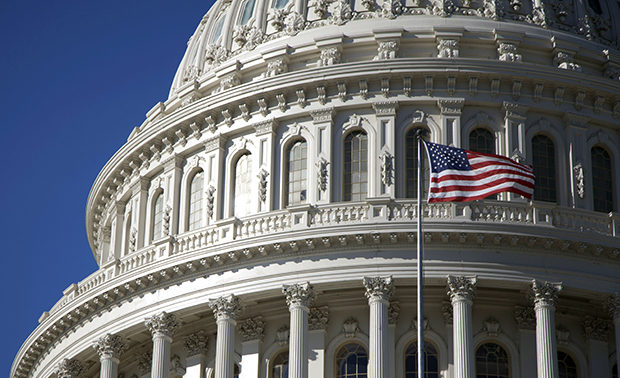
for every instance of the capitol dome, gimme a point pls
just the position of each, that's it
(261, 222)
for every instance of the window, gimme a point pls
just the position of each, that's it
(279, 365)
(195, 201)
(218, 30)
(352, 361)
(411, 164)
(243, 190)
(482, 140)
(566, 365)
(543, 159)
(431, 360)
(248, 11)
(279, 4)
(602, 185)
(297, 179)
(356, 166)
(158, 214)
(492, 361)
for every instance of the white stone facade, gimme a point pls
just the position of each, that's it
(263, 217)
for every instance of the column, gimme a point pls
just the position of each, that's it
(596, 331)
(299, 297)
(317, 328)
(196, 347)
(110, 347)
(378, 291)
(252, 335)
(613, 306)
(461, 290)
(162, 327)
(545, 295)
(226, 310)
(69, 369)
(526, 325)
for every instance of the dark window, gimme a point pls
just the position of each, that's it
(411, 165)
(431, 361)
(352, 362)
(492, 361)
(602, 183)
(567, 366)
(543, 159)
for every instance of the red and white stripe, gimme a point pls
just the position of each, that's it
(490, 174)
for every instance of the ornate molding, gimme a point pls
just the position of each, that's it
(262, 185)
(252, 329)
(379, 287)
(515, 111)
(525, 318)
(387, 50)
(302, 294)
(393, 312)
(385, 107)
(265, 127)
(448, 48)
(450, 106)
(350, 327)
(508, 52)
(318, 318)
(491, 327)
(595, 328)
(163, 324)
(196, 343)
(145, 363)
(446, 310)
(544, 293)
(461, 288)
(110, 346)
(612, 305)
(227, 307)
(70, 368)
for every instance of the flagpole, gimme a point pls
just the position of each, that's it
(420, 239)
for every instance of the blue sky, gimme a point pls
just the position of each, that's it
(75, 78)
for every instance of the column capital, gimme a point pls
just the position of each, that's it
(110, 346)
(162, 324)
(379, 287)
(462, 288)
(515, 111)
(227, 307)
(612, 305)
(70, 368)
(196, 343)
(302, 294)
(318, 318)
(544, 293)
(595, 328)
(525, 318)
(252, 329)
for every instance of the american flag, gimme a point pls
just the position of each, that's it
(459, 175)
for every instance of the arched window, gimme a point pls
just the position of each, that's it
(352, 361)
(158, 214)
(602, 183)
(248, 11)
(243, 190)
(411, 164)
(279, 365)
(297, 178)
(492, 361)
(356, 166)
(567, 366)
(482, 140)
(431, 360)
(195, 201)
(218, 29)
(543, 161)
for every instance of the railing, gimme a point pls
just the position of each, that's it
(583, 221)
(137, 260)
(196, 239)
(263, 224)
(338, 213)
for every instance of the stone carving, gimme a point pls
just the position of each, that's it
(538, 17)
(387, 50)
(461, 287)
(515, 5)
(301, 98)
(525, 317)
(363, 84)
(596, 328)
(320, 7)
(162, 324)
(227, 82)
(448, 48)
(473, 86)
(491, 327)
(210, 198)
(579, 180)
(252, 329)
(318, 318)
(110, 346)
(544, 293)
(145, 362)
(176, 369)
(276, 67)
(407, 86)
(282, 335)
(216, 55)
(492, 9)
(191, 73)
(342, 91)
(386, 168)
(379, 287)
(341, 12)
(245, 111)
(350, 327)
(228, 307)
(70, 368)
(294, 23)
(278, 19)
(329, 57)
(166, 220)
(262, 185)
(391, 9)
(425, 324)
(281, 98)
(393, 311)
(441, 8)
(612, 73)
(368, 4)
(565, 61)
(508, 52)
(612, 305)
(562, 335)
(196, 343)
(322, 95)
(558, 96)
(133, 239)
(538, 89)
(302, 294)
(322, 173)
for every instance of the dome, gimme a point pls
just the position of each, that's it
(261, 222)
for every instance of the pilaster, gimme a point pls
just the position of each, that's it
(451, 110)
(544, 295)
(596, 331)
(575, 129)
(323, 124)
(173, 172)
(385, 116)
(196, 347)
(252, 335)
(140, 196)
(318, 319)
(299, 297)
(461, 290)
(214, 187)
(265, 135)
(526, 325)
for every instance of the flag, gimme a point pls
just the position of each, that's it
(459, 175)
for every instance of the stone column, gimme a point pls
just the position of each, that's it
(226, 310)
(526, 325)
(299, 298)
(110, 347)
(613, 306)
(69, 369)
(545, 295)
(378, 291)
(196, 347)
(461, 290)
(162, 327)
(252, 334)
